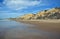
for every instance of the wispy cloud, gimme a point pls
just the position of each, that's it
(22, 4)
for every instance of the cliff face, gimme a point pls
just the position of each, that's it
(27, 17)
(53, 13)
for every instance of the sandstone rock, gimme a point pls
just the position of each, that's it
(53, 13)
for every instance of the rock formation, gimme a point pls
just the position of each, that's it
(53, 13)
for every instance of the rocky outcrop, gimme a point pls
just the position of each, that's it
(27, 17)
(53, 13)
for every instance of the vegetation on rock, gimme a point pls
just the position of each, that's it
(53, 13)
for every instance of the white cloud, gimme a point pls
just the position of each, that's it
(21, 4)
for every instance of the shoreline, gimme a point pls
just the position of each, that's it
(45, 25)
(47, 21)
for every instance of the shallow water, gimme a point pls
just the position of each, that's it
(15, 30)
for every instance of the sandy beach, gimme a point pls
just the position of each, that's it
(45, 25)
(29, 29)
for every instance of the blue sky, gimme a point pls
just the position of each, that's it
(14, 8)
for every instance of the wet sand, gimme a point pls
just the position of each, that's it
(47, 25)
(28, 30)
